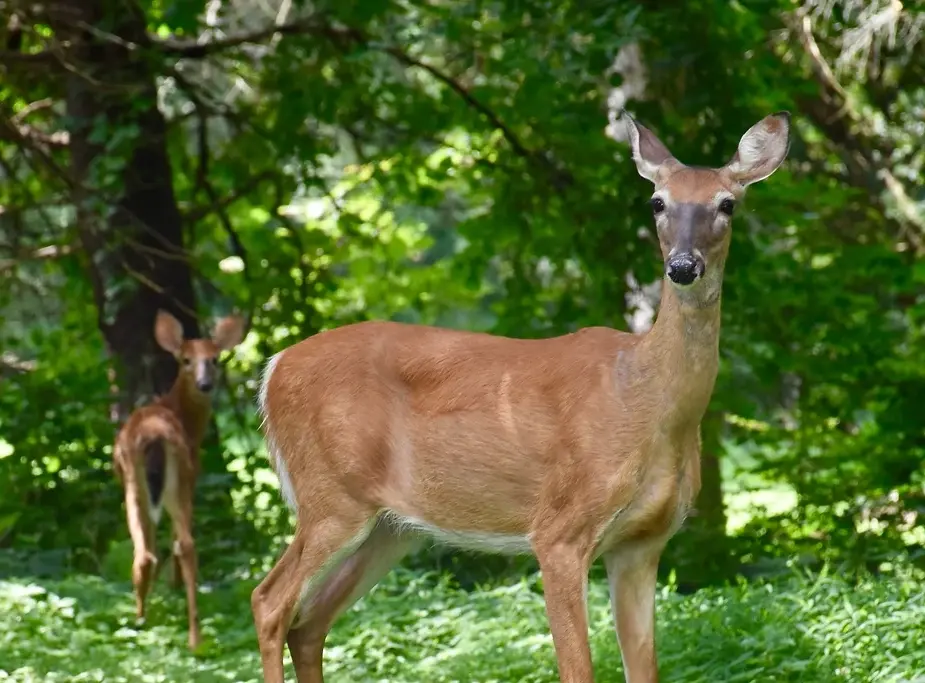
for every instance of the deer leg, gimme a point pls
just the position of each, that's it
(141, 529)
(341, 587)
(564, 568)
(184, 553)
(632, 575)
(319, 544)
(176, 578)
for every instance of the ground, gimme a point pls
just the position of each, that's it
(413, 628)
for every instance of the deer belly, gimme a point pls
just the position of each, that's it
(481, 541)
(476, 515)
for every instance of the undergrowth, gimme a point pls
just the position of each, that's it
(414, 628)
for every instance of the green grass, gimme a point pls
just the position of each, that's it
(421, 629)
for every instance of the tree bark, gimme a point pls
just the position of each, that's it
(129, 222)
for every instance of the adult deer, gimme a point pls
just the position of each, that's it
(156, 457)
(576, 447)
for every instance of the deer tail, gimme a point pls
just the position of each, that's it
(155, 462)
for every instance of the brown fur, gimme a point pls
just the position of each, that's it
(583, 445)
(178, 421)
(698, 185)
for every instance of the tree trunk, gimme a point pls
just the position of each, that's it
(711, 510)
(701, 552)
(130, 226)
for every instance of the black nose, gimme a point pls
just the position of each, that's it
(683, 269)
(204, 387)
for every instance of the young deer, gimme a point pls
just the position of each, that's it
(156, 457)
(573, 448)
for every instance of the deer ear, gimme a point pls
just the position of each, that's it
(228, 332)
(168, 332)
(762, 149)
(648, 151)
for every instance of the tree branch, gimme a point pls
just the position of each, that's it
(41, 58)
(216, 205)
(11, 365)
(868, 155)
(49, 253)
(237, 246)
(12, 133)
(190, 49)
(345, 36)
(467, 97)
(203, 183)
(31, 108)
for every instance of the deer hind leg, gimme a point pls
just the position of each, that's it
(178, 500)
(632, 575)
(176, 576)
(141, 529)
(342, 586)
(320, 545)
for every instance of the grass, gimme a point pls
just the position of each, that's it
(414, 628)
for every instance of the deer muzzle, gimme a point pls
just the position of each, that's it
(685, 268)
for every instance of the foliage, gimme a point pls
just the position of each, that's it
(421, 626)
(446, 163)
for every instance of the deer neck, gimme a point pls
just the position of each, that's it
(192, 407)
(679, 356)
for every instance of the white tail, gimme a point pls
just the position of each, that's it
(156, 457)
(572, 448)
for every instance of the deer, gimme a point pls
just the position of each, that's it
(572, 448)
(156, 458)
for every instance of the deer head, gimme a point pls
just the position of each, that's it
(198, 358)
(693, 206)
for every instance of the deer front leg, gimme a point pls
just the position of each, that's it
(564, 569)
(632, 575)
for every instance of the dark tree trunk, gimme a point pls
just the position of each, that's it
(130, 225)
(701, 553)
(710, 507)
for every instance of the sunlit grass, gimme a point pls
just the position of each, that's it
(423, 629)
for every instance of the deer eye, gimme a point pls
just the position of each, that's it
(727, 206)
(187, 362)
(657, 205)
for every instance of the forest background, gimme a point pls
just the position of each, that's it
(316, 164)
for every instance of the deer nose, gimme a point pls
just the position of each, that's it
(204, 386)
(684, 268)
